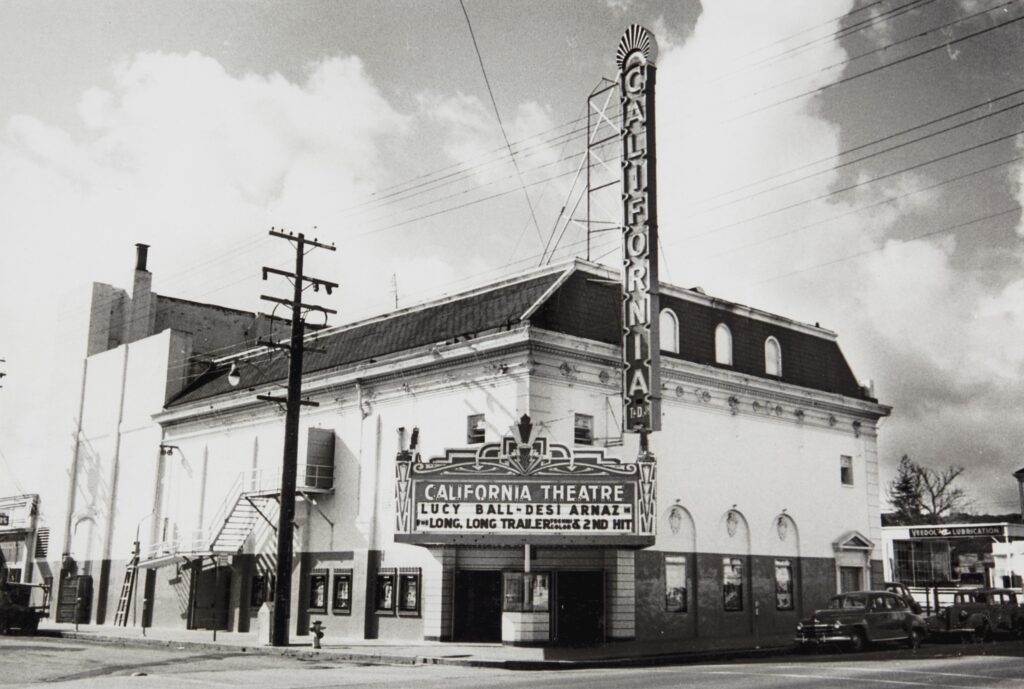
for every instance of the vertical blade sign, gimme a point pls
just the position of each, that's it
(641, 387)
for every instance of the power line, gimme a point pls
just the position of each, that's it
(861, 159)
(850, 187)
(870, 206)
(1016, 208)
(501, 126)
(888, 65)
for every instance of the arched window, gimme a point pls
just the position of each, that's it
(668, 331)
(772, 357)
(723, 345)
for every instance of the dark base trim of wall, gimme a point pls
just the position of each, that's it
(527, 644)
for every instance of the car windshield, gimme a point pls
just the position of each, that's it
(846, 602)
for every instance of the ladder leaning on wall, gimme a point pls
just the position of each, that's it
(124, 602)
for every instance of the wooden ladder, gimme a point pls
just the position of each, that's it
(124, 603)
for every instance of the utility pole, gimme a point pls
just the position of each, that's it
(293, 404)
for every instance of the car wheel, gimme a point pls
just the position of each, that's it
(858, 641)
(979, 634)
(915, 638)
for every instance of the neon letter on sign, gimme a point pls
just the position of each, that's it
(641, 388)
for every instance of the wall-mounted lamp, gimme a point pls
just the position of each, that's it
(167, 450)
(234, 377)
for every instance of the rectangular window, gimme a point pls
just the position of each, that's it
(525, 592)
(318, 591)
(846, 469)
(732, 583)
(849, 579)
(475, 429)
(341, 601)
(409, 590)
(783, 585)
(385, 591)
(583, 429)
(675, 583)
(512, 591)
(258, 591)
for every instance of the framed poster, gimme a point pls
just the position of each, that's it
(409, 592)
(318, 591)
(675, 583)
(783, 585)
(341, 601)
(386, 593)
(732, 583)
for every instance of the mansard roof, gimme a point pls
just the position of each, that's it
(578, 299)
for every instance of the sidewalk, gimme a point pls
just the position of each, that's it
(376, 651)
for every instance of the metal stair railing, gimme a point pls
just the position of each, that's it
(220, 517)
(195, 542)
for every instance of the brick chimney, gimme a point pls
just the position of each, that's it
(142, 312)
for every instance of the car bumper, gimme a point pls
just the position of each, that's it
(817, 639)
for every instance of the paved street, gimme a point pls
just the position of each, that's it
(29, 661)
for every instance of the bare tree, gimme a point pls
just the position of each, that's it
(939, 498)
(920, 494)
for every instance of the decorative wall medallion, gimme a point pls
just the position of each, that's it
(603, 376)
(734, 403)
(675, 519)
(679, 391)
(757, 406)
(778, 410)
(856, 429)
(732, 522)
(832, 420)
(799, 414)
(782, 528)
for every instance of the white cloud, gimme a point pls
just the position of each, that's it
(183, 155)
(933, 336)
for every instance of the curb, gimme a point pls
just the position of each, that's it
(387, 659)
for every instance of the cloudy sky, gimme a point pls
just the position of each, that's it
(857, 164)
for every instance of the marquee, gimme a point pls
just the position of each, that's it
(524, 490)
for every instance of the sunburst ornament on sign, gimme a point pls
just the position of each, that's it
(636, 40)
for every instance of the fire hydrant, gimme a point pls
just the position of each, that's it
(318, 632)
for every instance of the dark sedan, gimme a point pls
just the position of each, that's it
(858, 618)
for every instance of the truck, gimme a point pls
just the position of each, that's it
(17, 611)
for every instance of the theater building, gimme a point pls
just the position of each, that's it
(465, 476)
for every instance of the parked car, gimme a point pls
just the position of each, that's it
(858, 618)
(979, 614)
(16, 609)
(903, 592)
